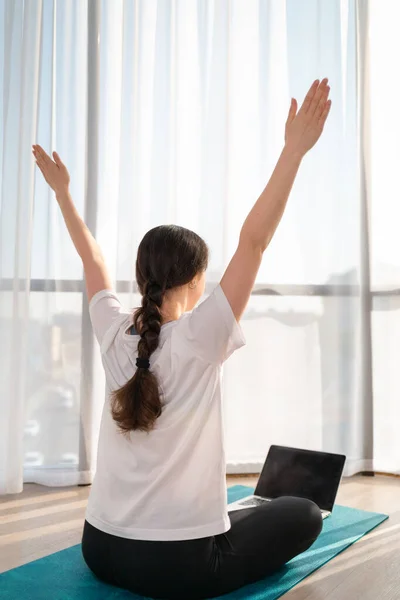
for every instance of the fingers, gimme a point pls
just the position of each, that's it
(292, 111)
(325, 114)
(41, 166)
(314, 96)
(322, 102)
(310, 95)
(40, 153)
(40, 162)
(43, 160)
(319, 96)
(42, 171)
(58, 160)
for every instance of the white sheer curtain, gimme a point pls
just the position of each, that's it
(384, 157)
(173, 111)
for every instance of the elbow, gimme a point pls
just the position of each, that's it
(258, 244)
(92, 259)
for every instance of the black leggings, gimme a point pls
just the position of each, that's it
(260, 541)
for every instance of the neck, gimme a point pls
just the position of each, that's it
(175, 303)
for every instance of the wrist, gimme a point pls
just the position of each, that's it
(63, 195)
(292, 153)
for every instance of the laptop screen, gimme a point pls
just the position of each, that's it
(303, 473)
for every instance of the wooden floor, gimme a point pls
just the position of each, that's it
(42, 520)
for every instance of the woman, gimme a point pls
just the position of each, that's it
(157, 521)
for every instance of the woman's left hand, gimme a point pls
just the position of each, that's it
(304, 128)
(54, 171)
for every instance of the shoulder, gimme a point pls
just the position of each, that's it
(211, 330)
(118, 333)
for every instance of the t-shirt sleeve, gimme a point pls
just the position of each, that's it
(212, 328)
(104, 310)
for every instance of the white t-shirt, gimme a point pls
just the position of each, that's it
(168, 484)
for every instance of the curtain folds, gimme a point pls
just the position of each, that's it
(174, 111)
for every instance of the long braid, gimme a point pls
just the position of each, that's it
(147, 319)
(138, 408)
(168, 257)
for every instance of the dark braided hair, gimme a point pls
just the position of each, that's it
(168, 256)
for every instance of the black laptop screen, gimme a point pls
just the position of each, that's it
(303, 473)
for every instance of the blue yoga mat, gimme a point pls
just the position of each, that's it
(64, 576)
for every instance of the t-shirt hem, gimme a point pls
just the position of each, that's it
(161, 535)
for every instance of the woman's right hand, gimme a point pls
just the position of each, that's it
(304, 128)
(54, 171)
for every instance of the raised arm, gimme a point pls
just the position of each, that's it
(303, 130)
(57, 176)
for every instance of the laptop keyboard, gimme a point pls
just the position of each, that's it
(254, 501)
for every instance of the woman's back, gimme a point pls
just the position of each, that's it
(169, 483)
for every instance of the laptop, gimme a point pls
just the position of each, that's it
(295, 472)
